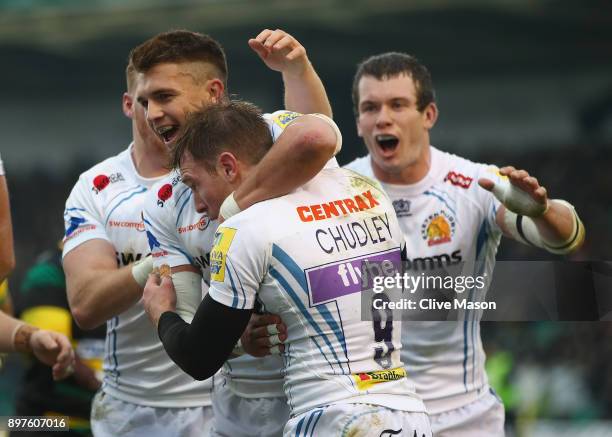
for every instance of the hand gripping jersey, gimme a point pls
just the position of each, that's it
(106, 203)
(300, 262)
(179, 235)
(447, 219)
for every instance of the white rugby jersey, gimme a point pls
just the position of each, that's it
(301, 255)
(106, 203)
(447, 219)
(179, 235)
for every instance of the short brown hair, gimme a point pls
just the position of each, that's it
(178, 46)
(233, 126)
(392, 64)
(130, 77)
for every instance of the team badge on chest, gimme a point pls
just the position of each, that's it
(438, 228)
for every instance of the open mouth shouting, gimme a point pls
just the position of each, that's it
(387, 143)
(168, 133)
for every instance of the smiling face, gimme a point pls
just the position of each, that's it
(170, 91)
(395, 132)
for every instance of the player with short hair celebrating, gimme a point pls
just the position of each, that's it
(105, 235)
(248, 397)
(342, 374)
(446, 215)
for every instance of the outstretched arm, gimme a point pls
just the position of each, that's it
(529, 216)
(304, 91)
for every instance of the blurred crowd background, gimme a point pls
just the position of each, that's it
(521, 82)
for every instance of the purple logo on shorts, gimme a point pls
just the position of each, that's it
(331, 281)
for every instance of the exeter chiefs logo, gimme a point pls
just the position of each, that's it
(438, 228)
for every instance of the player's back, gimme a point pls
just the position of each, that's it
(306, 250)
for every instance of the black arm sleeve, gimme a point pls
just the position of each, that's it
(201, 348)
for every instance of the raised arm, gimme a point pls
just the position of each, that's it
(304, 91)
(7, 255)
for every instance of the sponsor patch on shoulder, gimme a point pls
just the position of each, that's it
(222, 243)
(284, 118)
(366, 380)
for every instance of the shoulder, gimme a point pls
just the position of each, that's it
(167, 193)
(110, 173)
(463, 173)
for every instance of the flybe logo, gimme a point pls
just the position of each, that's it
(336, 208)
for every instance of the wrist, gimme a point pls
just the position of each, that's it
(141, 270)
(22, 336)
(229, 207)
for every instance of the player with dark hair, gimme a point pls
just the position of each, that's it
(447, 212)
(105, 245)
(248, 396)
(342, 374)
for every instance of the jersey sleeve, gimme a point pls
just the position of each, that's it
(279, 120)
(161, 233)
(83, 217)
(238, 263)
(488, 200)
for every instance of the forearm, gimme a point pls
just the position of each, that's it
(184, 342)
(298, 155)
(305, 93)
(559, 230)
(7, 254)
(7, 328)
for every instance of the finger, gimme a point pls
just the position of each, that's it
(485, 183)
(518, 174)
(296, 53)
(263, 35)
(533, 182)
(48, 342)
(274, 37)
(285, 42)
(258, 320)
(152, 280)
(258, 333)
(258, 48)
(541, 193)
(506, 170)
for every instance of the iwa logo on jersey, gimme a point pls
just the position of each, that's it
(222, 243)
(284, 118)
(365, 381)
(438, 228)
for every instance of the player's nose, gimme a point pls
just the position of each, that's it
(154, 111)
(383, 118)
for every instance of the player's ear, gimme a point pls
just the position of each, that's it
(128, 105)
(227, 167)
(430, 115)
(359, 132)
(216, 90)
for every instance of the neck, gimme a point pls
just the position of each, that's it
(411, 174)
(150, 162)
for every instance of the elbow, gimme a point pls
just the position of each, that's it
(84, 318)
(318, 140)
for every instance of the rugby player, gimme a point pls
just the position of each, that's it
(105, 251)
(248, 398)
(7, 254)
(342, 375)
(447, 213)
